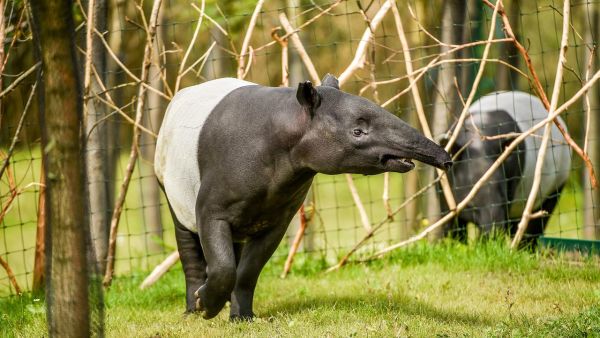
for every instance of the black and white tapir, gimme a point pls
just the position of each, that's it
(236, 160)
(500, 203)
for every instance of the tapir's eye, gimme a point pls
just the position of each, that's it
(357, 132)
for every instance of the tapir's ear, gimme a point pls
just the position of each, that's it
(308, 97)
(330, 81)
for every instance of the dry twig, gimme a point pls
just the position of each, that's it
(310, 67)
(296, 243)
(15, 138)
(360, 56)
(18, 80)
(241, 71)
(447, 190)
(11, 275)
(537, 177)
(134, 146)
(181, 73)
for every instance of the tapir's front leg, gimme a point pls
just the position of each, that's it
(216, 240)
(255, 255)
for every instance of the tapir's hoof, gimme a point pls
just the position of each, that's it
(202, 307)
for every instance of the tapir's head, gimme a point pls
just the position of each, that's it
(350, 134)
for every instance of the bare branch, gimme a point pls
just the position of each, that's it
(539, 165)
(189, 49)
(134, 146)
(296, 243)
(310, 67)
(447, 190)
(11, 275)
(21, 77)
(360, 56)
(15, 138)
(241, 65)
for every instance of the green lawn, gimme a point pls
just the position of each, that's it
(423, 291)
(336, 228)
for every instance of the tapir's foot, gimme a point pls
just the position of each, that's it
(241, 318)
(208, 306)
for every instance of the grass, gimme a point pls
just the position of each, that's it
(425, 290)
(336, 229)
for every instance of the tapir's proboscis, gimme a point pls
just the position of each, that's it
(236, 160)
(499, 204)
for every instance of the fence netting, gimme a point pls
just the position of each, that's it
(331, 33)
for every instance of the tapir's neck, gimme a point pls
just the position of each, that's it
(291, 124)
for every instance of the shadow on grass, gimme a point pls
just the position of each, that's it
(377, 305)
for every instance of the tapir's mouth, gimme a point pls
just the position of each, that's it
(396, 163)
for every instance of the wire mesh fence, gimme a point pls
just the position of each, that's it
(205, 40)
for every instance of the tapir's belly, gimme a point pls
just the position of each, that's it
(176, 157)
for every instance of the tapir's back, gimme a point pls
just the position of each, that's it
(178, 141)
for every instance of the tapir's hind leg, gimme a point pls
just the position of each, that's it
(192, 260)
(457, 229)
(217, 244)
(255, 255)
(536, 226)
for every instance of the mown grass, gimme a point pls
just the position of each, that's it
(336, 228)
(426, 290)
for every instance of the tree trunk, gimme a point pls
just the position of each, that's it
(591, 200)
(447, 101)
(67, 224)
(152, 120)
(97, 144)
(506, 78)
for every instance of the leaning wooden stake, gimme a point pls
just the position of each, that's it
(14, 192)
(296, 243)
(160, 270)
(537, 177)
(114, 224)
(40, 257)
(11, 275)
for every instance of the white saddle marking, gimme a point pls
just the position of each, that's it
(176, 157)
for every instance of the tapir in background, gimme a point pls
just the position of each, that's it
(500, 203)
(236, 160)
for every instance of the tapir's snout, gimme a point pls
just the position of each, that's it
(409, 144)
(440, 159)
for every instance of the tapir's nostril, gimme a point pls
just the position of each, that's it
(448, 165)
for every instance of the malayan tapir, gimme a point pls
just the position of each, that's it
(500, 203)
(236, 159)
